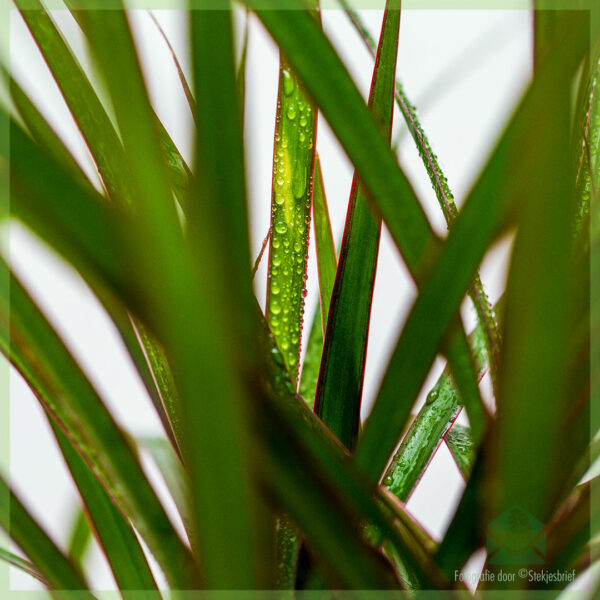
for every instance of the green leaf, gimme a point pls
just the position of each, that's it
(460, 444)
(486, 212)
(312, 359)
(328, 82)
(82, 240)
(174, 475)
(114, 533)
(80, 537)
(530, 456)
(326, 266)
(293, 166)
(46, 557)
(226, 503)
(23, 565)
(184, 84)
(339, 389)
(324, 244)
(320, 455)
(66, 394)
(42, 132)
(443, 193)
(431, 424)
(143, 349)
(85, 106)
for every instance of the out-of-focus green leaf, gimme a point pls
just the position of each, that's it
(46, 557)
(42, 132)
(532, 127)
(226, 505)
(63, 390)
(182, 78)
(23, 565)
(531, 457)
(144, 350)
(571, 528)
(115, 535)
(173, 473)
(80, 537)
(339, 388)
(85, 106)
(486, 212)
(50, 202)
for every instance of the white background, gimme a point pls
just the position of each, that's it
(464, 70)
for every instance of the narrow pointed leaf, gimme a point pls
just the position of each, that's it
(326, 266)
(293, 166)
(324, 244)
(339, 389)
(328, 82)
(312, 359)
(486, 211)
(34, 197)
(85, 106)
(443, 193)
(39, 354)
(49, 561)
(531, 462)
(226, 503)
(182, 78)
(24, 565)
(79, 538)
(115, 535)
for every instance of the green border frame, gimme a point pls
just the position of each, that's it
(5, 7)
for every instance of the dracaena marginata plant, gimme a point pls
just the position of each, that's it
(277, 482)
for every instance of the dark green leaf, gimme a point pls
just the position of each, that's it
(339, 389)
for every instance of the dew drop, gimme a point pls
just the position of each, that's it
(291, 113)
(288, 83)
